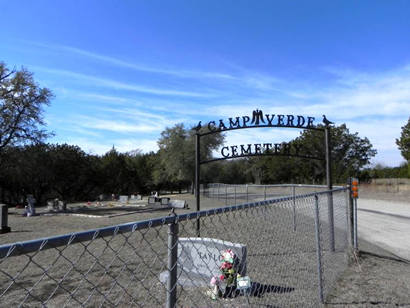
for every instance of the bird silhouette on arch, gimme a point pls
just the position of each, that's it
(198, 127)
(326, 121)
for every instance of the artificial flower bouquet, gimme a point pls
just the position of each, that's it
(224, 285)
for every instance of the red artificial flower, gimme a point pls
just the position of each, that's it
(222, 277)
(226, 265)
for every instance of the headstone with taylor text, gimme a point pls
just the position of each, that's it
(199, 260)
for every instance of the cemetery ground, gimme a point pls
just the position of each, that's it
(377, 278)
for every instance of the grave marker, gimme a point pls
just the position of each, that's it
(30, 211)
(123, 199)
(178, 204)
(199, 260)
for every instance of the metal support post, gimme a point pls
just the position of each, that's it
(318, 249)
(247, 197)
(226, 194)
(197, 179)
(235, 193)
(264, 193)
(217, 192)
(351, 214)
(294, 207)
(329, 187)
(355, 245)
(172, 265)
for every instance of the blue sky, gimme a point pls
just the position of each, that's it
(122, 71)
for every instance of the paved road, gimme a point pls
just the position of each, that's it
(386, 224)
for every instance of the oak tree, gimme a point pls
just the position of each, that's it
(21, 108)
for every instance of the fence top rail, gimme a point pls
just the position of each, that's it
(276, 185)
(25, 247)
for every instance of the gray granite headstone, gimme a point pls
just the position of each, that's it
(199, 260)
(178, 204)
(124, 199)
(152, 200)
(162, 203)
(136, 197)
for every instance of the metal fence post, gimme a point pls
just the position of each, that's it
(197, 179)
(318, 249)
(172, 265)
(226, 194)
(351, 213)
(247, 198)
(331, 220)
(217, 192)
(328, 160)
(355, 246)
(294, 208)
(264, 193)
(235, 193)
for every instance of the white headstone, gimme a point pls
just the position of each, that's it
(62, 206)
(30, 208)
(199, 260)
(50, 205)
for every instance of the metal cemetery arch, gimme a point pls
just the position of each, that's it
(283, 121)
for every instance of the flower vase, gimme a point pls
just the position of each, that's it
(229, 292)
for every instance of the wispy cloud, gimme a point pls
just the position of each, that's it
(118, 126)
(116, 99)
(130, 65)
(113, 84)
(149, 118)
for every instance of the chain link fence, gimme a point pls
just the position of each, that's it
(288, 248)
(240, 193)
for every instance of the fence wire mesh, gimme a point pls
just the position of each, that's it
(223, 194)
(127, 265)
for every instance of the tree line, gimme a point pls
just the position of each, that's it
(30, 165)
